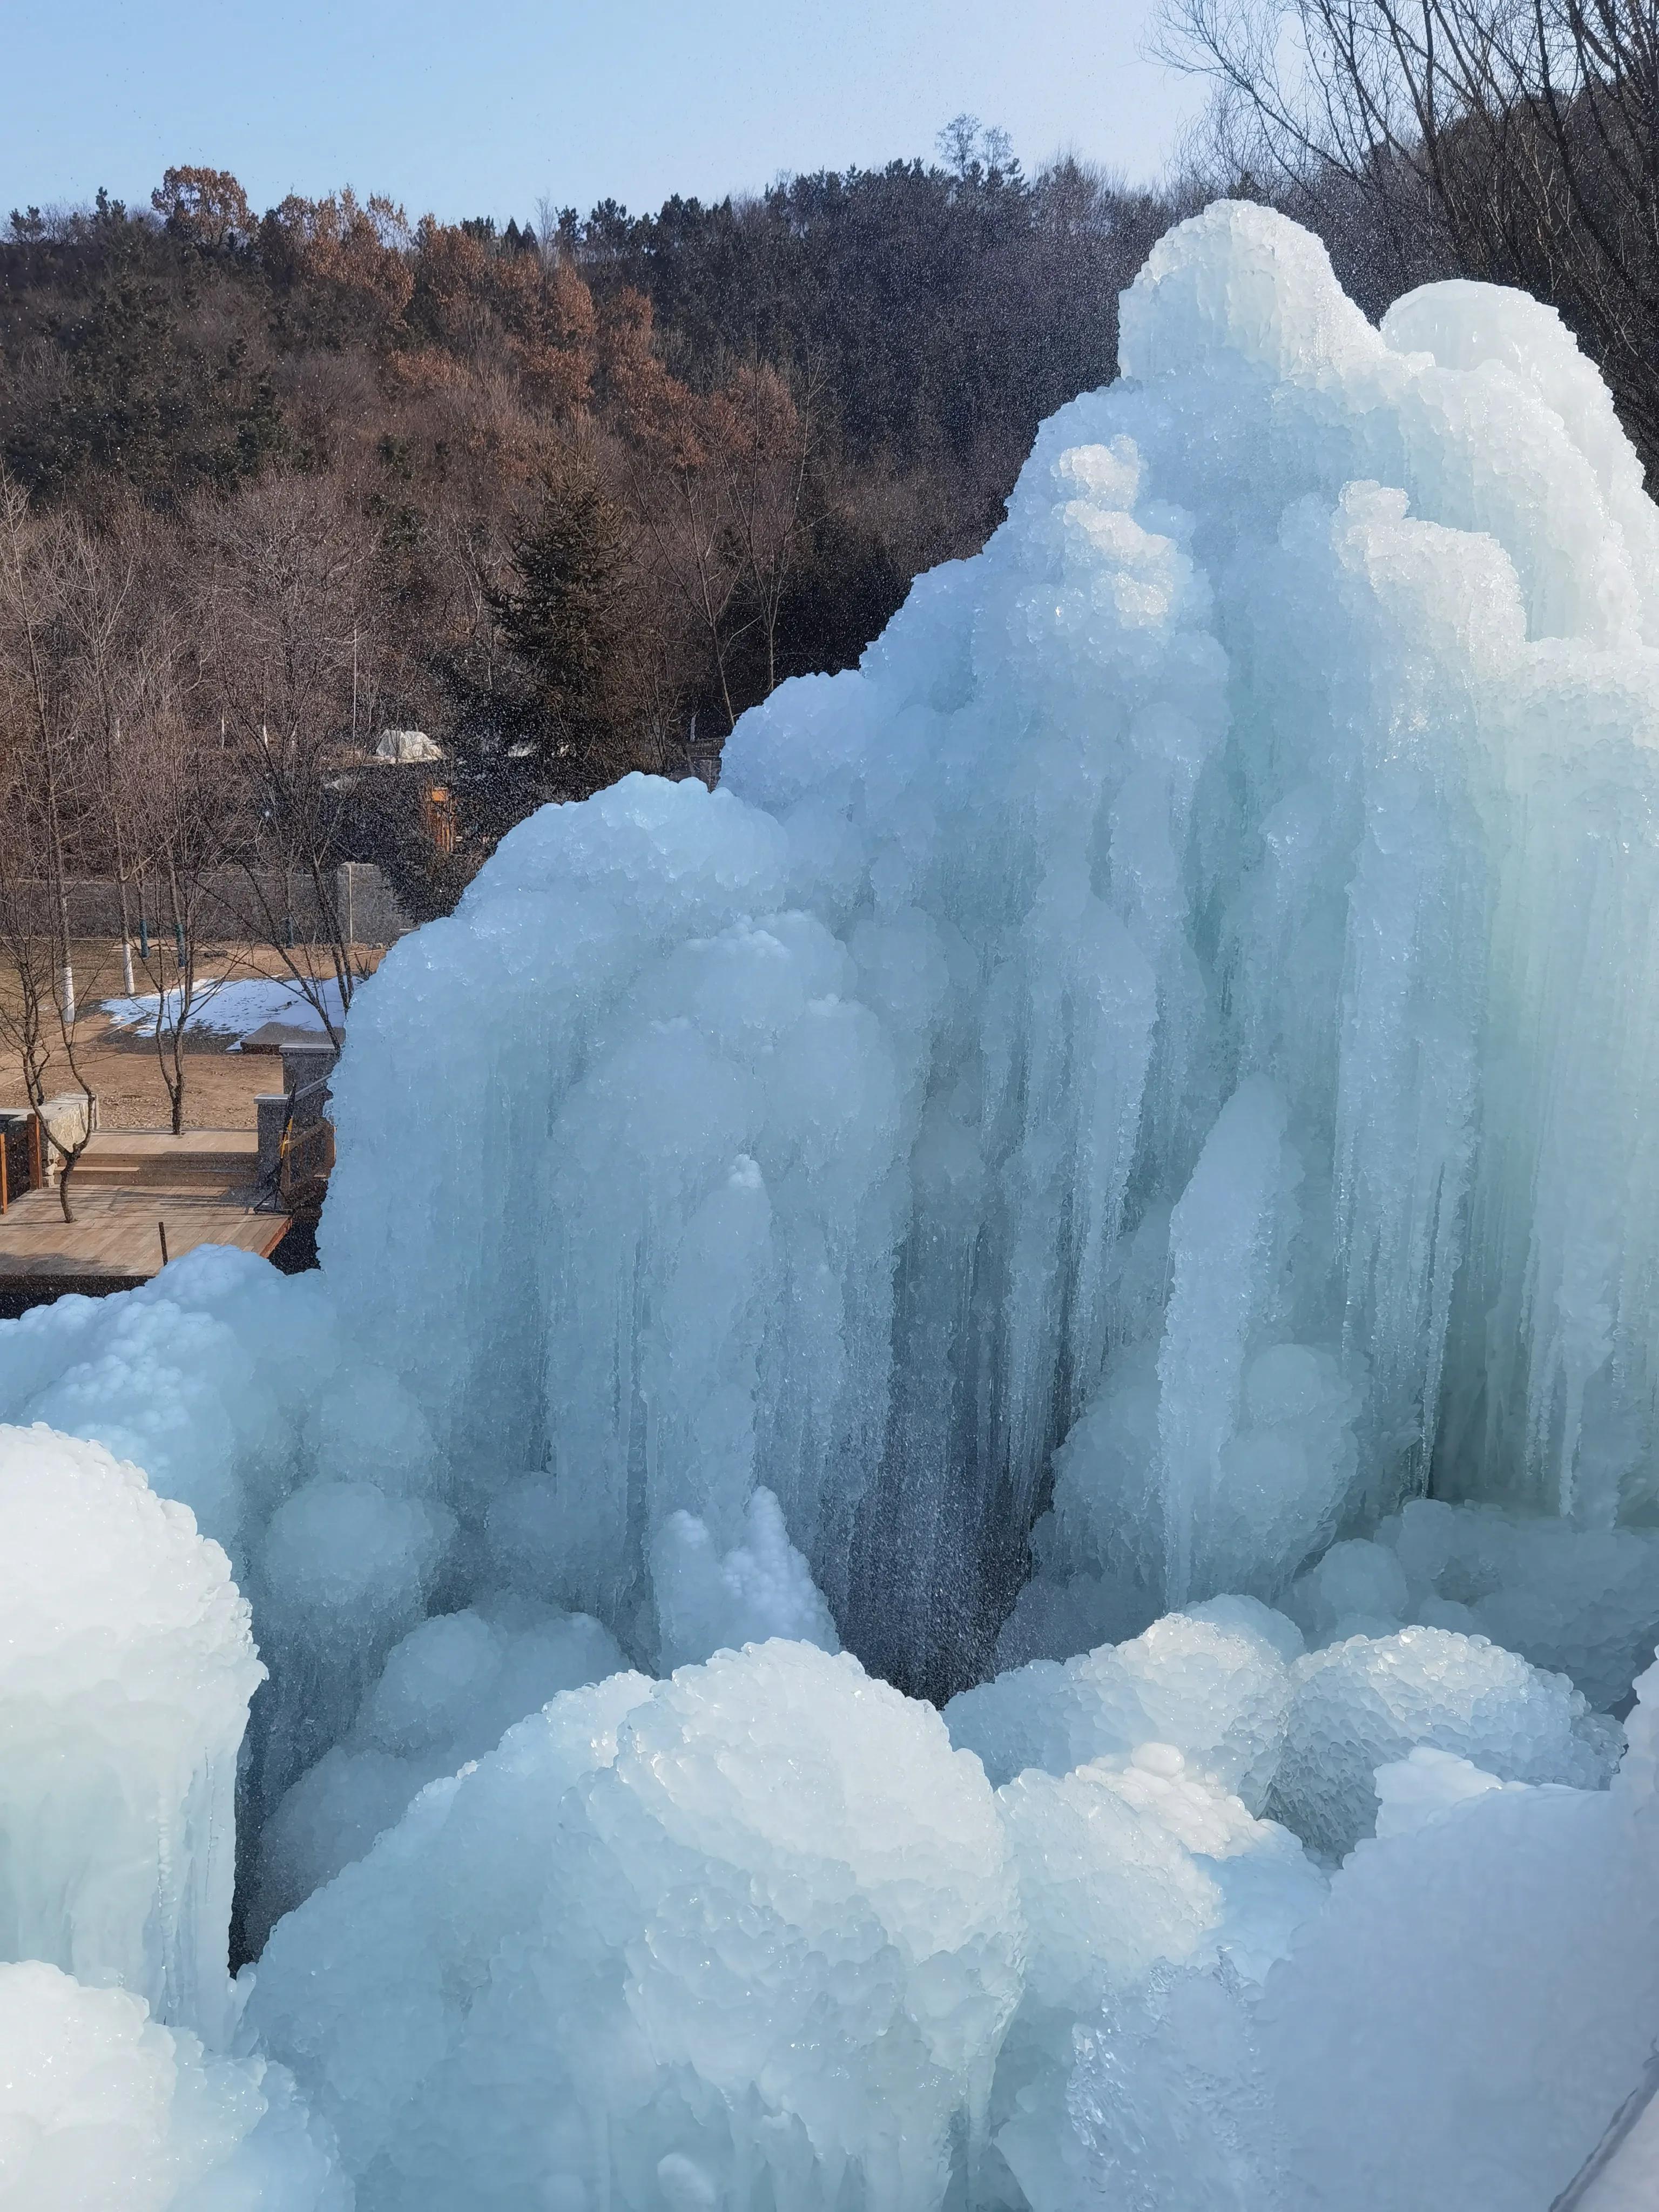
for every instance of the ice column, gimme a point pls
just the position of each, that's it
(126, 1666)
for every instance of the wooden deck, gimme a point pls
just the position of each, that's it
(128, 1187)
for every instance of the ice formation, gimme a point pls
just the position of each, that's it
(1402, 2051)
(1213, 1684)
(1103, 1172)
(1365, 1703)
(104, 2109)
(1109, 1083)
(748, 1935)
(448, 1693)
(126, 1666)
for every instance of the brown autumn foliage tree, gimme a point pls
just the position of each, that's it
(207, 206)
(719, 483)
(357, 252)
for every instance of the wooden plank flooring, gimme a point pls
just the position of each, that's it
(201, 1185)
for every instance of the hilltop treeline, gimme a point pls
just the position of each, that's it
(572, 493)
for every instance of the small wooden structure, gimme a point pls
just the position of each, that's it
(139, 1197)
(296, 1136)
(440, 819)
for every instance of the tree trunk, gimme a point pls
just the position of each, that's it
(127, 985)
(186, 967)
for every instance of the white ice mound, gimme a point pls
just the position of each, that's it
(1365, 1703)
(1464, 2020)
(103, 2110)
(1574, 1601)
(1127, 1867)
(1126, 1861)
(1457, 2025)
(201, 1378)
(126, 1666)
(750, 1933)
(1214, 1688)
(1423, 1786)
(448, 1693)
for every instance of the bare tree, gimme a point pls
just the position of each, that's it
(44, 756)
(27, 1013)
(290, 620)
(547, 230)
(170, 799)
(34, 560)
(1525, 132)
(766, 467)
(39, 1032)
(101, 580)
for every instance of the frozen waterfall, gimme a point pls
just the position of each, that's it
(1102, 1180)
(1183, 999)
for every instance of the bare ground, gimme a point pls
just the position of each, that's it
(219, 1085)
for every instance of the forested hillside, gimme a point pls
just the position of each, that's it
(572, 493)
(558, 495)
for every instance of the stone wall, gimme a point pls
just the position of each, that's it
(233, 909)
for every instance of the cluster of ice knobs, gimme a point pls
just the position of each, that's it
(965, 1512)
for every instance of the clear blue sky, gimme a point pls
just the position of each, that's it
(481, 109)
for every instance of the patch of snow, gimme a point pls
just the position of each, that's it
(227, 1006)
